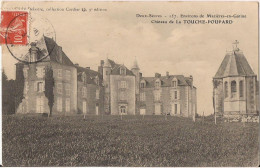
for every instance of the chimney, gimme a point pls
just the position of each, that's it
(157, 75)
(141, 75)
(191, 78)
(102, 63)
(167, 74)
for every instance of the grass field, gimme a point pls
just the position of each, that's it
(133, 141)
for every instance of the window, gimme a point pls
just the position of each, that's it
(106, 72)
(123, 84)
(67, 74)
(84, 78)
(241, 89)
(142, 96)
(123, 109)
(39, 86)
(59, 73)
(26, 87)
(122, 95)
(59, 88)
(174, 83)
(97, 94)
(226, 89)
(40, 72)
(122, 71)
(84, 91)
(142, 85)
(157, 84)
(59, 103)
(67, 104)
(25, 72)
(97, 80)
(157, 96)
(175, 108)
(175, 95)
(67, 89)
(233, 88)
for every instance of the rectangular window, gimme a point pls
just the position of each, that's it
(157, 96)
(25, 72)
(67, 104)
(157, 84)
(175, 108)
(59, 88)
(67, 89)
(39, 86)
(59, 103)
(26, 87)
(142, 96)
(175, 95)
(174, 83)
(142, 85)
(84, 92)
(40, 72)
(97, 94)
(59, 73)
(122, 95)
(67, 74)
(123, 84)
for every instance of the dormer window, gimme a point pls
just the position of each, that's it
(157, 83)
(174, 83)
(97, 80)
(84, 77)
(122, 71)
(142, 85)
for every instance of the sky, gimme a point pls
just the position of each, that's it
(197, 49)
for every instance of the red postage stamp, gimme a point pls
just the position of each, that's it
(14, 27)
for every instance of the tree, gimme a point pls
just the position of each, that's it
(8, 95)
(49, 84)
(19, 85)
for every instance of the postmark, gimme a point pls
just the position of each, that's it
(14, 26)
(35, 48)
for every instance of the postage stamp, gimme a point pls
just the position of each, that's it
(22, 30)
(14, 27)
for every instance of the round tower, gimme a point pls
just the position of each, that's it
(135, 69)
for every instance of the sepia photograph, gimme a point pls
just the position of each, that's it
(130, 84)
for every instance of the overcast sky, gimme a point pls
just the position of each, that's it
(196, 50)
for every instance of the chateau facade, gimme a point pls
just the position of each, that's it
(113, 89)
(235, 85)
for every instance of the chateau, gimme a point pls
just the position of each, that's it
(235, 85)
(113, 90)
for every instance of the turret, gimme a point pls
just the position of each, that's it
(135, 69)
(106, 74)
(33, 52)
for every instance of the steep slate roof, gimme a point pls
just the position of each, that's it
(234, 64)
(166, 81)
(116, 68)
(55, 52)
(90, 74)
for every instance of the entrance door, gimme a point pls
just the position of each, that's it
(84, 107)
(96, 109)
(39, 105)
(157, 109)
(142, 111)
(123, 110)
(67, 105)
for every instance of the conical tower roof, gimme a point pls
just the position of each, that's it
(107, 63)
(234, 64)
(135, 65)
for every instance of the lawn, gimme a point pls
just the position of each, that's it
(133, 141)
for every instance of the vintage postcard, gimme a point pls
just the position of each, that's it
(143, 84)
